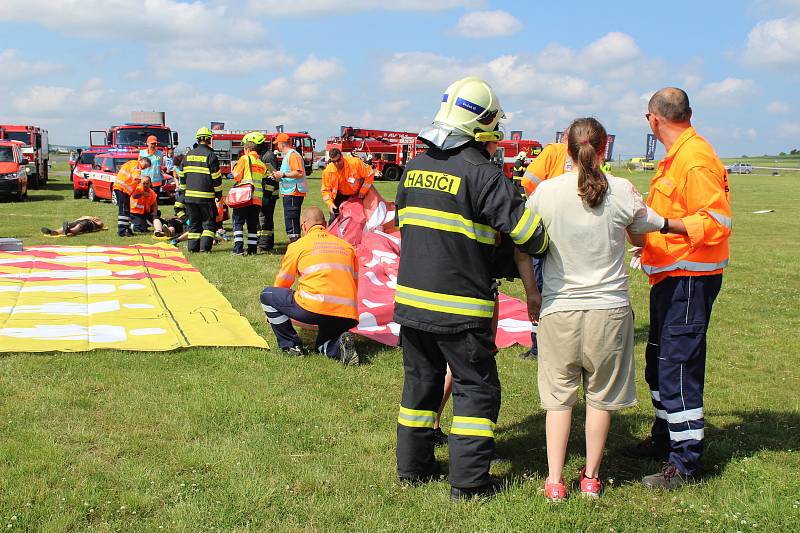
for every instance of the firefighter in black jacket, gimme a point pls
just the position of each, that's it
(453, 204)
(200, 185)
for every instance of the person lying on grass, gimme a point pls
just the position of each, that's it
(77, 227)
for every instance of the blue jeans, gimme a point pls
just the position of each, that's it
(280, 307)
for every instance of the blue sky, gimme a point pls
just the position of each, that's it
(315, 65)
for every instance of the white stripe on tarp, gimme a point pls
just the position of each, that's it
(687, 434)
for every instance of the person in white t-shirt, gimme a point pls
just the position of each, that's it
(586, 324)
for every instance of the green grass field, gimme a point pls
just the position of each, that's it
(243, 439)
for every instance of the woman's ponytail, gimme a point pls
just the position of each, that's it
(586, 139)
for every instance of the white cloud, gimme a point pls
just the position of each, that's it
(789, 129)
(219, 60)
(43, 99)
(15, 68)
(346, 7)
(189, 23)
(730, 91)
(422, 69)
(610, 50)
(315, 69)
(774, 43)
(776, 107)
(487, 24)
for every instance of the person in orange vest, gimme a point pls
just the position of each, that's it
(325, 268)
(125, 183)
(249, 170)
(552, 161)
(292, 185)
(344, 178)
(685, 263)
(144, 205)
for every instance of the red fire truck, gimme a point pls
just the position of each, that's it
(507, 151)
(227, 144)
(133, 136)
(387, 151)
(35, 149)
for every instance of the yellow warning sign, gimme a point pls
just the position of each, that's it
(145, 297)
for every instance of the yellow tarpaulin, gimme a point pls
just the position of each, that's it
(145, 297)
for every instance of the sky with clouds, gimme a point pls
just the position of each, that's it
(71, 66)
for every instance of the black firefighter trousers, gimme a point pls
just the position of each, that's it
(476, 403)
(202, 226)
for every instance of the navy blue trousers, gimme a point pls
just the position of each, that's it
(241, 216)
(680, 310)
(123, 213)
(280, 307)
(291, 215)
(537, 272)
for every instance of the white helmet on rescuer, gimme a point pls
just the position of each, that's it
(471, 106)
(522, 155)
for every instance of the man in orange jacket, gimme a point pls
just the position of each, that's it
(125, 183)
(343, 178)
(684, 262)
(326, 270)
(551, 162)
(144, 205)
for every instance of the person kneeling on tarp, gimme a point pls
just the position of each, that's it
(77, 227)
(326, 269)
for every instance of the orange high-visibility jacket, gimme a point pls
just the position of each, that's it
(143, 202)
(553, 161)
(327, 267)
(128, 177)
(250, 169)
(346, 181)
(691, 183)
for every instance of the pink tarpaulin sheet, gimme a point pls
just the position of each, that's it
(369, 225)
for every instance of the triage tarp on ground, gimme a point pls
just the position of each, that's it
(369, 225)
(144, 297)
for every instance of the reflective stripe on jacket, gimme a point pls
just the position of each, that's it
(293, 186)
(452, 207)
(691, 183)
(327, 267)
(200, 179)
(347, 181)
(128, 177)
(251, 170)
(142, 202)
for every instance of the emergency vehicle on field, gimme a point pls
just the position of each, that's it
(13, 171)
(387, 151)
(35, 149)
(133, 136)
(228, 146)
(81, 168)
(507, 151)
(97, 183)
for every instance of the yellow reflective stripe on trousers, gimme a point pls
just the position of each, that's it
(444, 221)
(443, 303)
(197, 170)
(416, 418)
(525, 228)
(200, 194)
(472, 426)
(194, 235)
(208, 233)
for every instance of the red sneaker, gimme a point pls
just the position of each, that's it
(590, 486)
(555, 492)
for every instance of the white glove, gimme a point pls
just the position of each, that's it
(636, 257)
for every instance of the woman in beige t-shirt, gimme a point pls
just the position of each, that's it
(586, 324)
